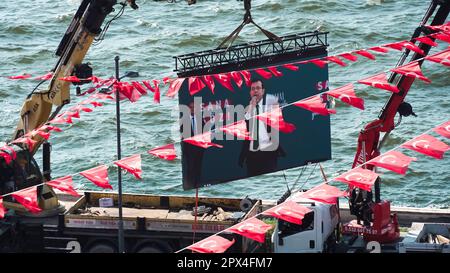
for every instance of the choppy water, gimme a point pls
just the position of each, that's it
(147, 39)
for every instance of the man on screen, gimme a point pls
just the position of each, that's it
(260, 155)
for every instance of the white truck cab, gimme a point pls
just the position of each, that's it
(315, 234)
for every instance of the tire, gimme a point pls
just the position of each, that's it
(102, 247)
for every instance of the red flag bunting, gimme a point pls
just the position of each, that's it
(131, 164)
(291, 67)
(49, 128)
(320, 63)
(224, 80)
(166, 80)
(288, 211)
(98, 176)
(127, 90)
(28, 198)
(64, 184)
(203, 141)
(336, 60)
(166, 152)
(10, 151)
(33, 133)
(427, 145)
(102, 96)
(441, 36)
(157, 96)
(275, 71)
(349, 57)
(79, 108)
(237, 77)
(139, 88)
(2, 208)
(379, 81)
(366, 54)
(45, 77)
(426, 40)
(20, 77)
(347, 95)
(70, 114)
(445, 27)
(315, 105)
(442, 57)
(323, 193)
(7, 157)
(443, 130)
(238, 129)
(263, 73)
(209, 81)
(252, 228)
(95, 79)
(195, 85)
(406, 44)
(61, 120)
(174, 87)
(275, 120)
(70, 79)
(212, 244)
(411, 70)
(379, 49)
(26, 140)
(247, 77)
(393, 161)
(360, 178)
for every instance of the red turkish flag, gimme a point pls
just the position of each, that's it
(70, 79)
(10, 151)
(95, 79)
(26, 140)
(6, 156)
(366, 54)
(45, 77)
(247, 77)
(320, 63)
(127, 90)
(275, 71)
(225, 80)
(291, 67)
(252, 228)
(336, 60)
(61, 120)
(212, 244)
(49, 128)
(79, 108)
(64, 184)
(203, 141)
(209, 81)
(28, 198)
(315, 105)
(406, 44)
(20, 77)
(166, 80)
(323, 193)
(71, 114)
(379, 81)
(411, 70)
(238, 129)
(263, 73)
(195, 85)
(426, 40)
(349, 57)
(347, 95)
(102, 96)
(427, 145)
(360, 178)
(445, 27)
(166, 152)
(33, 133)
(139, 88)
(131, 164)
(442, 57)
(98, 176)
(379, 49)
(443, 130)
(288, 211)
(275, 120)
(2, 208)
(149, 86)
(393, 161)
(237, 78)
(441, 36)
(174, 87)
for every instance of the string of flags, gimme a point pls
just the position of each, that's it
(292, 212)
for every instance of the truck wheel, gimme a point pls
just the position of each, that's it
(150, 249)
(102, 248)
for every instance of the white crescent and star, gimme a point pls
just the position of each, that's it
(415, 143)
(384, 158)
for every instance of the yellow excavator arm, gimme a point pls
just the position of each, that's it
(85, 26)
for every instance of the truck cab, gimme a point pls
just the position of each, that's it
(315, 234)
